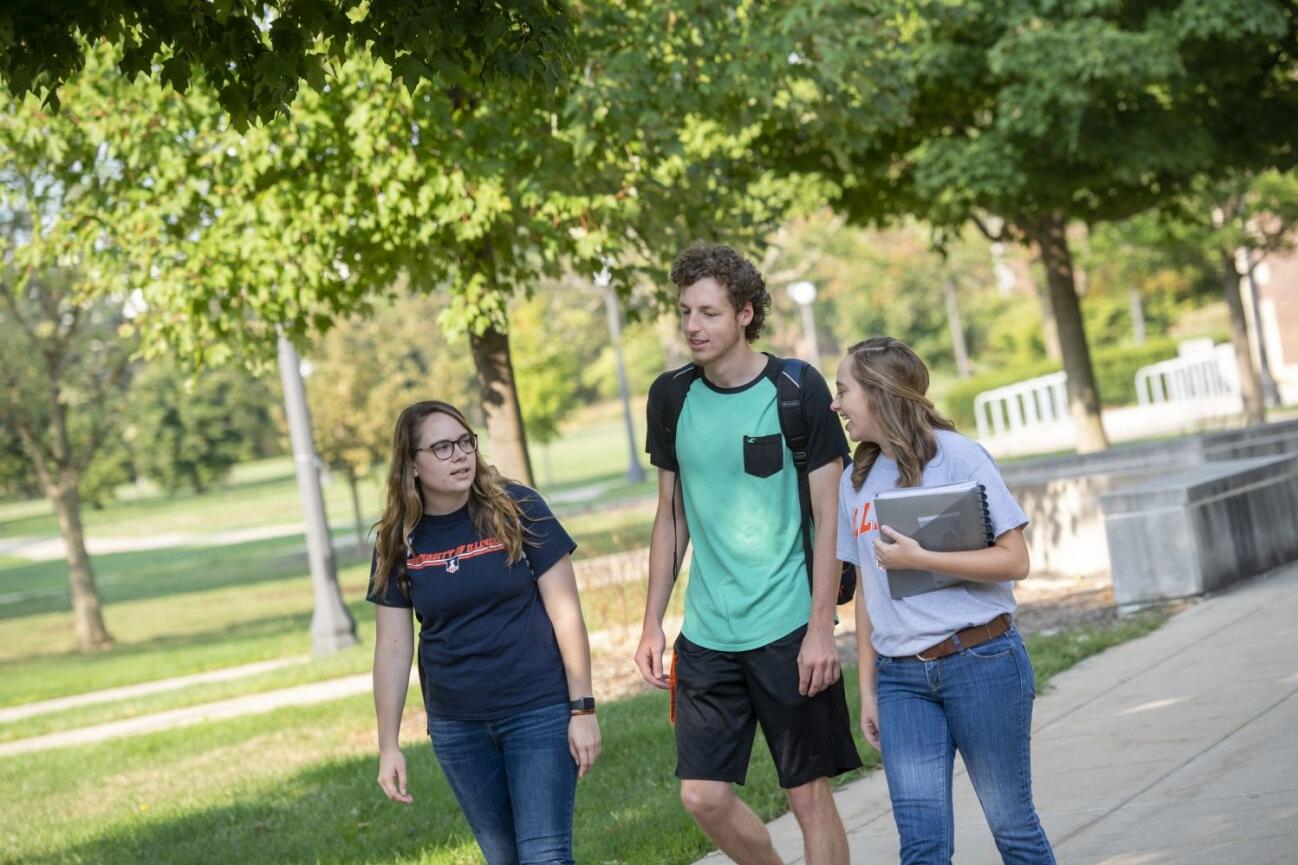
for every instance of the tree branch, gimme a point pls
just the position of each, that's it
(994, 237)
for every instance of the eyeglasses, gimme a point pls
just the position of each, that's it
(467, 443)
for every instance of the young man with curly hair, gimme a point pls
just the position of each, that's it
(757, 643)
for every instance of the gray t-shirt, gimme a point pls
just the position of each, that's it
(910, 625)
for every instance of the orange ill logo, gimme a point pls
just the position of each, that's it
(861, 518)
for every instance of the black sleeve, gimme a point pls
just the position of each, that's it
(544, 539)
(825, 439)
(661, 453)
(392, 596)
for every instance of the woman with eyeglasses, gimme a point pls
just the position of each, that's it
(504, 658)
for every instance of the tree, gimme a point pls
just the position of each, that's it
(559, 334)
(1040, 113)
(891, 281)
(75, 202)
(63, 371)
(1237, 220)
(256, 53)
(366, 369)
(1044, 113)
(189, 431)
(16, 475)
(1143, 272)
(478, 195)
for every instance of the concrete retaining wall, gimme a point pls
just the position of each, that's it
(1061, 496)
(1202, 528)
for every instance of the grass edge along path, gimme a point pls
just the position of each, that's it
(296, 786)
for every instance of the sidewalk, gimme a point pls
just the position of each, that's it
(1181, 747)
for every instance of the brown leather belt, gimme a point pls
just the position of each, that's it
(964, 639)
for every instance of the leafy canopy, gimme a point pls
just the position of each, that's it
(256, 53)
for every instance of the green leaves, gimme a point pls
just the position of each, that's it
(255, 53)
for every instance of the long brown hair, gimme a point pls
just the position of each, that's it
(494, 511)
(895, 382)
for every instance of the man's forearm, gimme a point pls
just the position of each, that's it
(825, 578)
(665, 553)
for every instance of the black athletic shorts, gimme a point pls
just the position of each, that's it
(720, 697)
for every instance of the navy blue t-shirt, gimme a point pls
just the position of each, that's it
(486, 646)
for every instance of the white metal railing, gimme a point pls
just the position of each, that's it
(1022, 405)
(1201, 372)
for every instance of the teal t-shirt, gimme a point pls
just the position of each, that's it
(748, 578)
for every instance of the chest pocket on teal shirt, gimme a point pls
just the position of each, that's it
(763, 455)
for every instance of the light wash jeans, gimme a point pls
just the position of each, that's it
(979, 702)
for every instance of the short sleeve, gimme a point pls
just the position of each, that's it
(661, 453)
(544, 539)
(1004, 510)
(391, 596)
(847, 551)
(825, 439)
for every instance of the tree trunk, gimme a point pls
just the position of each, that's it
(353, 482)
(1083, 396)
(1049, 330)
(500, 404)
(1250, 385)
(953, 321)
(88, 620)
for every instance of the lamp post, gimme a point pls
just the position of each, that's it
(804, 295)
(634, 472)
(332, 625)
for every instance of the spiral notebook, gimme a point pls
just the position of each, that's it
(949, 518)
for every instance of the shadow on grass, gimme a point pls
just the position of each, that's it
(145, 574)
(628, 811)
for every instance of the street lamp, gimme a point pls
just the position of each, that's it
(804, 295)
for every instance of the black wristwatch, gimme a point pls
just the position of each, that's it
(582, 706)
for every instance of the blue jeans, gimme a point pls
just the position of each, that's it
(515, 781)
(979, 702)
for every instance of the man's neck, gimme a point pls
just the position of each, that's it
(736, 367)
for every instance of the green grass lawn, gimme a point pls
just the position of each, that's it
(592, 450)
(297, 786)
(180, 611)
(256, 494)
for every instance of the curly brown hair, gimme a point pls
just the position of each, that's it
(742, 281)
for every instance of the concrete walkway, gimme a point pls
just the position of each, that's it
(1181, 747)
(10, 714)
(235, 707)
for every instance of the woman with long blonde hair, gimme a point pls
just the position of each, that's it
(942, 670)
(504, 657)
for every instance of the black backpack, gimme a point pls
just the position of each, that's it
(789, 375)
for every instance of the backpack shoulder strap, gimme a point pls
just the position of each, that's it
(793, 421)
(789, 379)
(677, 385)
